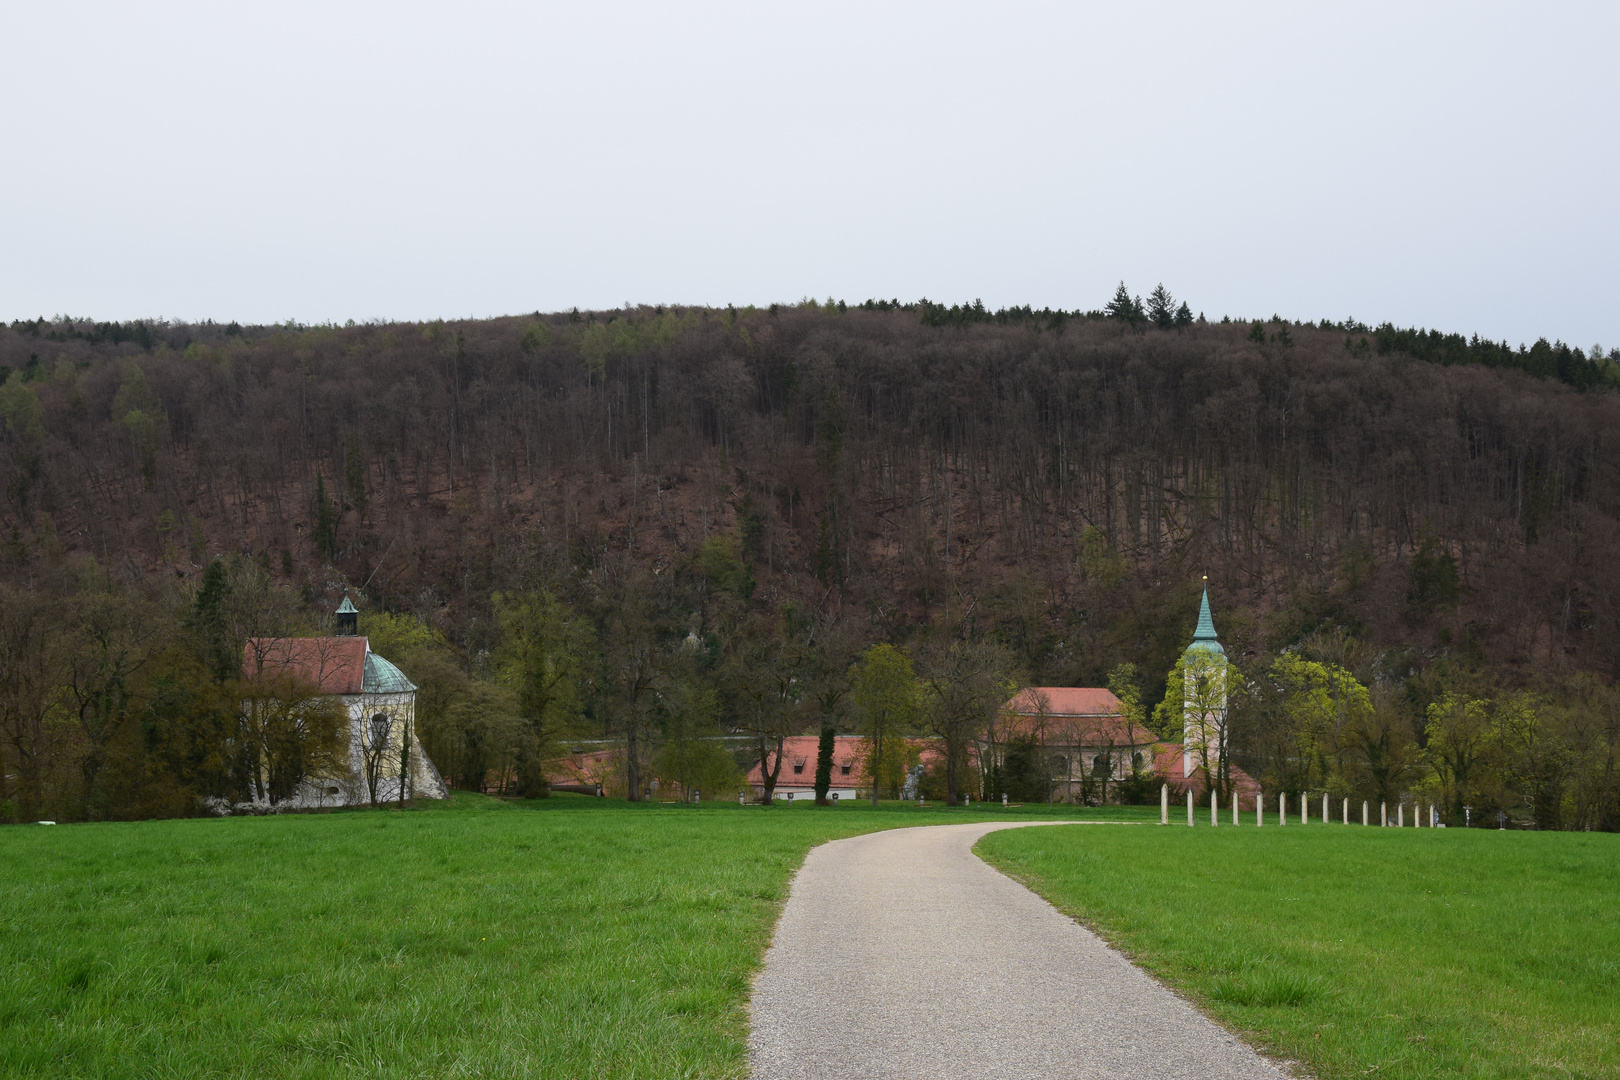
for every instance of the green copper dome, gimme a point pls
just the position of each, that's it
(1204, 636)
(384, 678)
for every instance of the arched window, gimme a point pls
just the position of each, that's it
(379, 731)
(1136, 760)
(1060, 766)
(1102, 766)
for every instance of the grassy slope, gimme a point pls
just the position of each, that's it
(1410, 953)
(565, 937)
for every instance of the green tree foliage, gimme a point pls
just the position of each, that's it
(1123, 683)
(138, 409)
(289, 733)
(963, 685)
(1330, 710)
(545, 659)
(1025, 774)
(1431, 580)
(19, 406)
(692, 755)
(723, 569)
(887, 702)
(766, 674)
(208, 624)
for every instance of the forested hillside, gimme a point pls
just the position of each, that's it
(627, 523)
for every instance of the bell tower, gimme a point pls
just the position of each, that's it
(348, 618)
(1203, 731)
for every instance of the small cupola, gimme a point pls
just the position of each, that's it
(348, 617)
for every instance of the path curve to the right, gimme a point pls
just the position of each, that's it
(900, 954)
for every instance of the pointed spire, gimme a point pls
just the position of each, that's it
(1204, 635)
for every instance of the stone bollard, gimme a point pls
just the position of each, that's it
(1383, 815)
(1235, 819)
(1189, 807)
(1364, 811)
(1282, 808)
(1004, 799)
(1324, 808)
(1164, 804)
(1304, 808)
(1400, 815)
(1259, 808)
(1214, 808)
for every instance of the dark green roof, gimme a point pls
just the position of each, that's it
(384, 678)
(1204, 636)
(347, 608)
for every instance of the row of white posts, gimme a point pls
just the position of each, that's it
(1304, 810)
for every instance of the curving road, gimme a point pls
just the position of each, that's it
(900, 954)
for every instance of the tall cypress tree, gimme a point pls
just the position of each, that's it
(824, 753)
(207, 621)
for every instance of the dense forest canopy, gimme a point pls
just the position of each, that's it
(651, 493)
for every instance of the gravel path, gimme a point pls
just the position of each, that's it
(900, 954)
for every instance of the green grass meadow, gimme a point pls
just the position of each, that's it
(1362, 951)
(584, 937)
(563, 937)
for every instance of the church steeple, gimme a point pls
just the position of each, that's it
(348, 618)
(1203, 734)
(1204, 636)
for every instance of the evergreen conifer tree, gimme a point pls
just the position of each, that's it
(1184, 315)
(1124, 306)
(824, 763)
(326, 519)
(1161, 307)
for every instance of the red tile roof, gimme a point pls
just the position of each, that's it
(847, 750)
(584, 767)
(1168, 760)
(335, 664)
(1097, 731)
(1066, 701)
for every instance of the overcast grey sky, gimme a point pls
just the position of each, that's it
(1451, 165)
